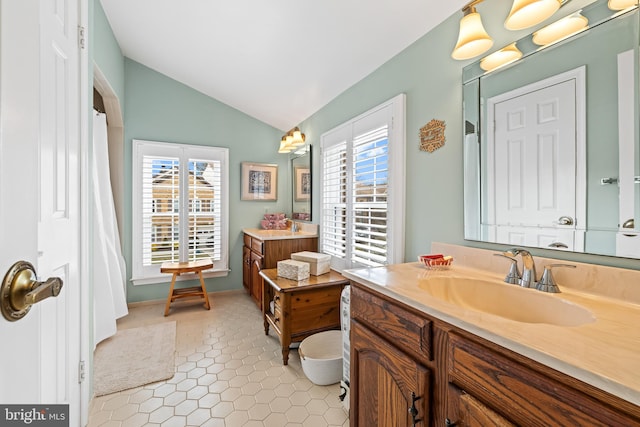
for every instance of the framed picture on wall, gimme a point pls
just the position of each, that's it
(259, 181)
(303, 184)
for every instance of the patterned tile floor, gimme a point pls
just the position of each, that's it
(228, 373)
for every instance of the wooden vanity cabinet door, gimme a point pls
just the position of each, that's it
(466, 411)
(383, 379)
(256, 279)
(246, 268)
(524, 394)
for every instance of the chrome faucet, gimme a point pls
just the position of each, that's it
(513, 276)
(528, 279)
(547, 283)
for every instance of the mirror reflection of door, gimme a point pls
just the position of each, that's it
(533, 155)
(627, 237)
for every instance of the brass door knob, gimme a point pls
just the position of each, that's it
(20, 290)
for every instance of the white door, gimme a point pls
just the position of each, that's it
(627, 237)
(534, 164)
(39, 197)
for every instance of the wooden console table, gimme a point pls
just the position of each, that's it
(300, 309)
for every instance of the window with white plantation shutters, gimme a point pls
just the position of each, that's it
(205, 208)
(369, 197)
(160, 193)
(334, 200)
(180, 207)
(363, 189)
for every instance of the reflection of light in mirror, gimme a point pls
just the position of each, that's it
(500, 58)
(622, 4)
(527, 13)
(561, 29)
(473, 40)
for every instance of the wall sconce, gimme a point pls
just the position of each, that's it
(561, 29)
(473, 40)
(501, 57)
(291, 141)
(527, 13)
(622, 4)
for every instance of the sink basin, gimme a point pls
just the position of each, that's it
(507, 301)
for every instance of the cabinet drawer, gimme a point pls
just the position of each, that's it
(317, 309)
(533, 398)
(247, 240)
(277, 299)
(402, 327)
(474, 414)
(257, 246)
(277, 319)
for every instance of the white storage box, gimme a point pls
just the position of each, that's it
(318, 263)
(321, 357)
(294, 270)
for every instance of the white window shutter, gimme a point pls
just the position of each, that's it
(370, 171)
(363, 188)
(334, 200)
(160, 213)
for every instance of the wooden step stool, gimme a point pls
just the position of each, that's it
(178, 268)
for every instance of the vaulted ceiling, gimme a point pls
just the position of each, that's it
(278, 61)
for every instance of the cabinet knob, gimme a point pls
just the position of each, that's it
(449, 423)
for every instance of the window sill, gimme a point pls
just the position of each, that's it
(166, 278)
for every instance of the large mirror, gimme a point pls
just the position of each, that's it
(551, 141)
(301, 184)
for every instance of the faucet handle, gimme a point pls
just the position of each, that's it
(513, 276)
(547, 283)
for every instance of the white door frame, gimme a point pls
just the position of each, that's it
(86, 294)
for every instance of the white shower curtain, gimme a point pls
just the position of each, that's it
(109, 268)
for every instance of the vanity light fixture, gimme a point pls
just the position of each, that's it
(501, 57)
(561, 29)
(473, 39)
(291, 141)
(622, 4)
(527, 13)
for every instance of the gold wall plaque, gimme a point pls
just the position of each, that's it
(432, 135)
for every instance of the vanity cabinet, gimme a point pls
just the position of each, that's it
(390, 375)
(459, 378)
(517, 390)
(258, 254)
(296, 309)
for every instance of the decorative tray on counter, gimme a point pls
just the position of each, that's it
(436, 261)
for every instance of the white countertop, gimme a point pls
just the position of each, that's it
(262, 234)
(604, 353)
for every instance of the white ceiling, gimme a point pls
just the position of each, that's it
(278, 61)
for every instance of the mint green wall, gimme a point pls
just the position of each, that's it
(107, 54)
(432, 82)
(159, 108)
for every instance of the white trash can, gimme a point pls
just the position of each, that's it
(321, 357)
